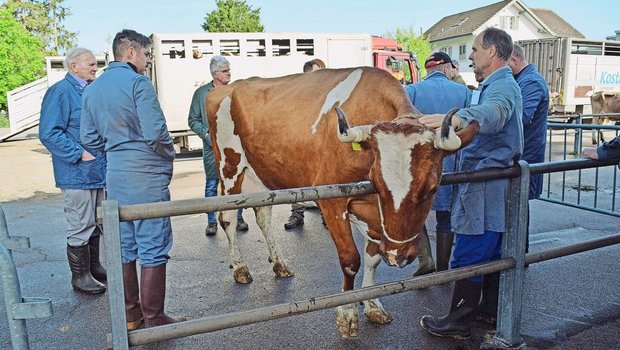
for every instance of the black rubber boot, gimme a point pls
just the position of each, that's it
(457, 324)
(81, 278)
(443, 246)
(96, 269)
(487, 310)
(425, 256)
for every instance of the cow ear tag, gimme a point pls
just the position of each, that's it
(356, 146)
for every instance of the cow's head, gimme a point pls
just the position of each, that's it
(406, 173)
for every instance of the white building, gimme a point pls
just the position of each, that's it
(455, 34)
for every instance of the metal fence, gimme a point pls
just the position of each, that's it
(590, 189)
(18, 308)
(511, 265)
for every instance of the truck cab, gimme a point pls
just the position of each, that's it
(389, 55)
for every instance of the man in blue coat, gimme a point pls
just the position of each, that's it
(197, 121)
(438, 94)
(121, 115)
(79, 171)
(478, 211)
(535, 95)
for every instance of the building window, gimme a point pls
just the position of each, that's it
(459, 22)
(462, 53)
(508, 22)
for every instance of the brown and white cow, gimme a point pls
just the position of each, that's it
(604, 102)
(284, 133)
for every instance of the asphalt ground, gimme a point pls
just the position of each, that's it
(569, 303)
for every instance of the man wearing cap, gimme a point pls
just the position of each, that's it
(438, 94)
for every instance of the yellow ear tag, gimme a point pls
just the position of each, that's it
(356, 146)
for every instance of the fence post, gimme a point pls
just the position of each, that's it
(507, 335)
(116, 291)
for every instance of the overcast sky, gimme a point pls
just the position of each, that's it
(98, 24)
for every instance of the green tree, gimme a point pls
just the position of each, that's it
(21, 56)
(414, 43)
(234, 16)
(44, 19)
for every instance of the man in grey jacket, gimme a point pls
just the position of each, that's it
(121, 114)
(79, 171)
(197, 121)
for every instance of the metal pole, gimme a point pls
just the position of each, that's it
(572, 249)
(116, 291)
(235, 319)
(12, 291)
(12, 297)
(513, 245)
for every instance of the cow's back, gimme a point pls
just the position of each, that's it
(288, 127)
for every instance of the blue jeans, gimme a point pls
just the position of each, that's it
(475, 249)
(211, 191)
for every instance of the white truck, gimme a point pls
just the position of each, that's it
(181, 64)
(575, 68)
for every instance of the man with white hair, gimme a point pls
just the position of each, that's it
(79, 171)
(197, 120)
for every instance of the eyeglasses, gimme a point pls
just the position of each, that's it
(148, 54)
(225, 71)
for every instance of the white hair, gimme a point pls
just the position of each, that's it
(218, 63)
(73, 54)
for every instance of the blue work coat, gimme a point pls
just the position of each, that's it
(480, 206)
(535, 108)
(197, 121)
(609, 149)
(122, 115)
(437, 94)
(59, 132)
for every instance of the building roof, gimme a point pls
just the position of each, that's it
(463, 23)
(557, 24)
(468, 22)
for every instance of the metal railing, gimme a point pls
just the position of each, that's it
(511, 265)
(18, 308)
(582, 190)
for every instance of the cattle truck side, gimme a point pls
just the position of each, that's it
(181, 64)
(575, 68)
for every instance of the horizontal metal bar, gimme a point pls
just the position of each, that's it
(578, 206)
(583, 115)
(572, 249)
(244, 200)
(32, 308)
(566, 165)
(235, 319)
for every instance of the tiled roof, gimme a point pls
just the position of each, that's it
(557, 24)
(473, 19)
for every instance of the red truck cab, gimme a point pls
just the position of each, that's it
(389, 55)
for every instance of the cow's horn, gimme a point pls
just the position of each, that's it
(447, 138)
(348, 134)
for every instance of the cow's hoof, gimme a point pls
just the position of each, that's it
(375, 312)
(347, 321)
(282, 271)
(242, 275)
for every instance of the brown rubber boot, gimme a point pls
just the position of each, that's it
(81, 278)
(293, 221)
(133, 312)
(425, 256)
(96, 269)
(153, 295)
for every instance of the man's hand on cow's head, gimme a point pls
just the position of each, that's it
(435, 120)
(589, 153)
